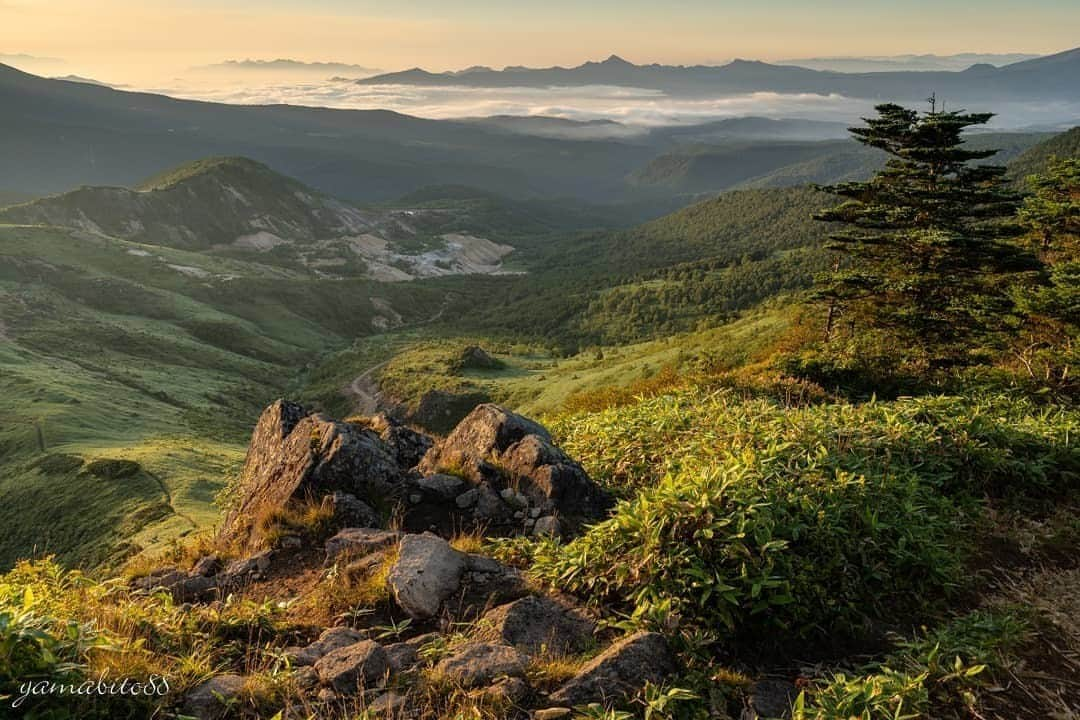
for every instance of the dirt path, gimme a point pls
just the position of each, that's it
(168, 498)
(364, 389)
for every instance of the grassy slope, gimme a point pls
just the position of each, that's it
(118, 355)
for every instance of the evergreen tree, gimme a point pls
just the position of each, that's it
(1051, 216)
(925, 248)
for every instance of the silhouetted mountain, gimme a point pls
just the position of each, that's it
(1055, 76)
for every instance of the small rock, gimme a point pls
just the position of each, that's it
(771, 699)
(290, 542)
(467, 499)
(213, 699)
(326, 695)
(481, 663)
(349, 511)
(306, 677)
(363, 567)
(358, 542)
(207, 566)
(441, 485)
(553, 713)
(620, 671)
(247, 569)
(506, 691)
(195, 589)
(548, 526)
(389, 704)
(353, 667)
(331, 639)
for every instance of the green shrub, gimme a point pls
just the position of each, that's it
(747, 515)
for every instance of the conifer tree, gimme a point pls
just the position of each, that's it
(925, 248)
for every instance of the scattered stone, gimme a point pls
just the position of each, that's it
(358, 542)
(771, 698)
(441, 485)
(246, 569)
(212, 700)
(506, 691)
(326, 695)
(402, 656)
(331, 639)
(389, 704)
(207, 566)
(353, 667)
(481, 663)
(620, 671)
(306, 677)
(535, 623)
(467, 499)
(349, 511)
(553, 713)
(290, 542)
(195, 589)
(547, 526)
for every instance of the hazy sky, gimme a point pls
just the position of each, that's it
(143, 40)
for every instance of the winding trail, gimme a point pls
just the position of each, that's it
(364, 389)
(168, 498)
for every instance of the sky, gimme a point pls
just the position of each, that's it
(147, 41)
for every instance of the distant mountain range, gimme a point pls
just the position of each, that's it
(287, 65)
(1055, 77)
(913, 63)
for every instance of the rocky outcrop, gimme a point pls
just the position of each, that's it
(619, 672)
(439, 411)
(517, 477)
(430, 577)
(296, 455)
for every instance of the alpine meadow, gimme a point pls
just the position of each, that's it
(674, 389)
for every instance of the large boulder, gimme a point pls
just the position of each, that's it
(536, 624)
(349, 669)
(517, 471)
(297, 455)
(619, 672)
(430, 577)
(427, 573)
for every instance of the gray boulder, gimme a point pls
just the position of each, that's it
(427, 573)
(296, 455)
(534, 624)
(481, 664)
(214, 698)
(429, 577)
(352, 668)
(331, 639)
(349, 511)
(357, 542)
(619, 672)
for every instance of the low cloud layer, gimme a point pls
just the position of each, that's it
(630, 106)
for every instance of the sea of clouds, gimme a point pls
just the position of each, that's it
(633, 107)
